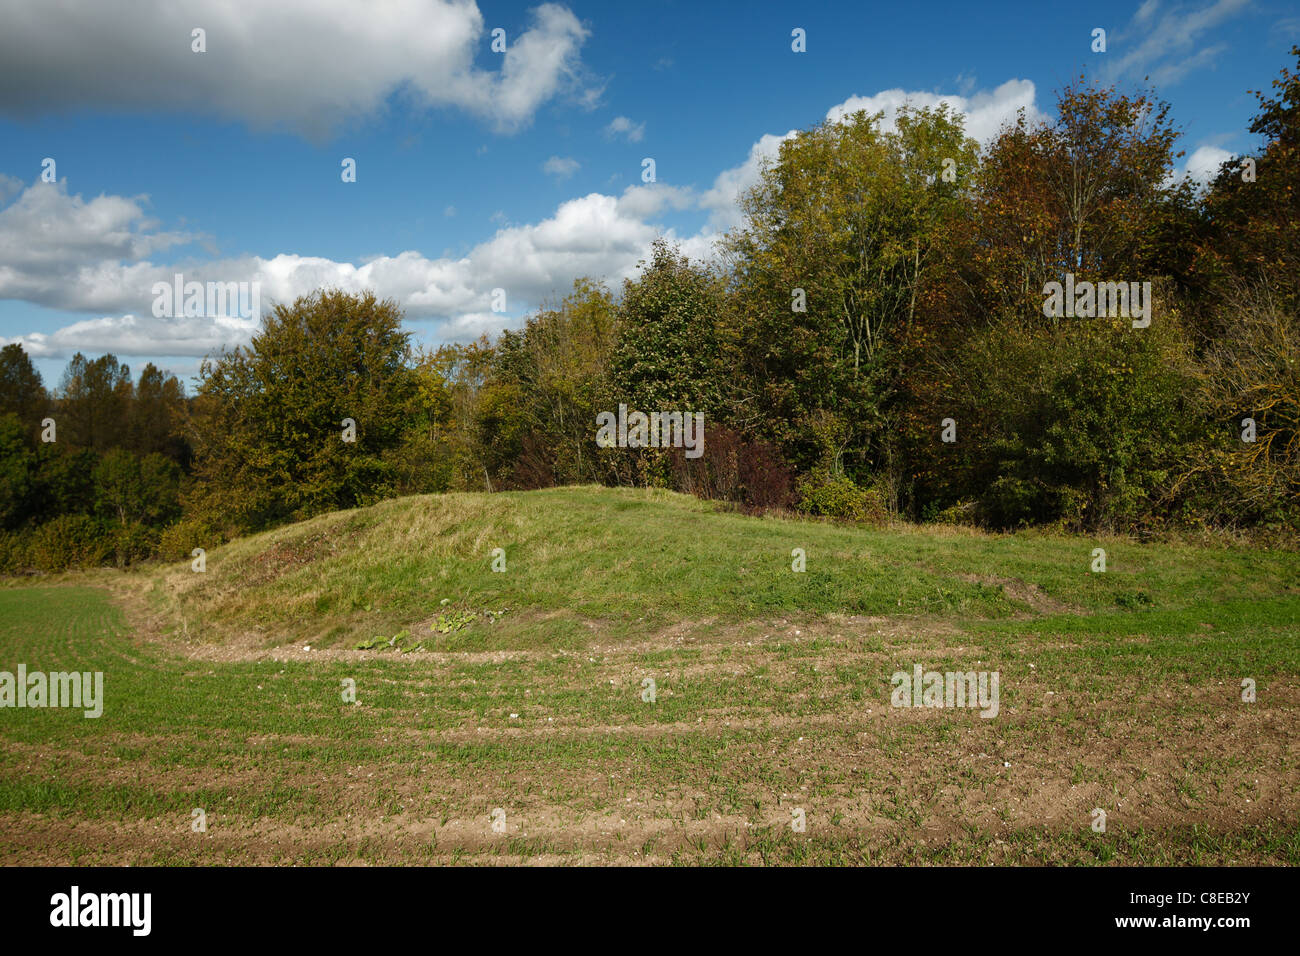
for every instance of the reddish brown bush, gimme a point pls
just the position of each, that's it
(751, 474)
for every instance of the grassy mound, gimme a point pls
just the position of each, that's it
(628, 563)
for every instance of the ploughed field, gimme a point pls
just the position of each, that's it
(637, 676)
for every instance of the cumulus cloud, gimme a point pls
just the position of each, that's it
(63, 251)
(129, 335)
(1203, 164)
(561, 167)
(622, 126)
(104, 270)
(641, 202)
(9, 186)
(306, 65)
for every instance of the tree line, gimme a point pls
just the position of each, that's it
(871, 341)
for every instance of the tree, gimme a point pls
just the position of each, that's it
(1108, 156)
(840, 237)
(1252, 371)
(94, 403)
(17, 461)
(549, 380)
(62, 482)
(21, 391)
(425, 460)
(132, 490)
(1084, 193)
(665, 355)
(271, 443)
(1085, 425)
(158, 416)
(1255, 219)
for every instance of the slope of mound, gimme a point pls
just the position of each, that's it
(628, 563)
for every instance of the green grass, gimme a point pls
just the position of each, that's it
(637, 561)
(772, 692)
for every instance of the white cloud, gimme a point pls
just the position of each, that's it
(595, 235)
(641, 202)
(537, 65)
(985, 113)
(622, 126)
(1165, 48)
(470, 325)
(63, 251)
(9, 186)
(721, 200)
(307, 65)
(561, 167)
(1203, 164)
(139, 335)
(1145, 12)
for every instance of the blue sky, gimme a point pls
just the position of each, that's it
(478, 170)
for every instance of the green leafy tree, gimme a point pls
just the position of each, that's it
(131, 490)
(270, 438)
(94, 403)
(21, 391)
(456, 376)
(17, 462)
(665, 355)
(424, 462)
(549, 381)
(62, 482)
(841, 234)
(159, 415)
(1084, 425)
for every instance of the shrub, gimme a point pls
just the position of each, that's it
(1252, 371)
(1086, 424)
(71, 541)
(133, 543)
(962, 513)
(177, 541)
(837, 496)
(752, 474)
(15, 552)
